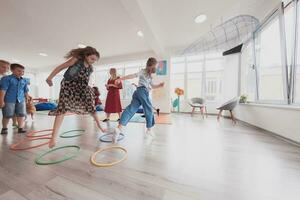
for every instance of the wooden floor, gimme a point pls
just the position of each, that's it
(190, 159)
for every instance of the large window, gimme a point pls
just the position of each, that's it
(56, 87)
(101, 78)
(289, 20)
(297, 64)
(248, 81)
(214, 76)
(177, 75)
(199, 76)
(129, 88)
(269, 63)
(194, 76)
(32, 83)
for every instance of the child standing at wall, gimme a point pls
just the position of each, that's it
(76, 96)
(13, 93)
(139, 97)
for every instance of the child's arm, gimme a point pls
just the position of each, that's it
(130, 76)
(2, 94)
(155, 86)
(59, 68)
(4, 87)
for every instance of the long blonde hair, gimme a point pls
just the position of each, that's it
(113, 73)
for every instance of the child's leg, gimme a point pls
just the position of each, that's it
(15, 121)
(95, 116)
(119, 114)
(107, 117)
(31, 114)
(57, 123)
(130, 110)
(20, 112)
(5, 122)
(20, 121)
(8, 112)
(147, 106)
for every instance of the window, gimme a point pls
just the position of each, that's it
(248, 81)
(213, 75)
(199, 76)
(194, 76)
(268, 52)
(32, 86)
(56, 86)
(127, 84)
(297, 67)
(177, 75)
(101, 78)
(289, 21)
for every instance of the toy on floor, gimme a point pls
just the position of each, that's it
(30, 108)
(45, 106)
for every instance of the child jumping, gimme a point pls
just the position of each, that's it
(139, 97)
(76, 96)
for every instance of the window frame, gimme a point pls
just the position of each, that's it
(277, 12)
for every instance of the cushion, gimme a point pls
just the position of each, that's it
(45, 106)
(99, 108)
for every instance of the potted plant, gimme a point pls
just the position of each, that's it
(243, 98)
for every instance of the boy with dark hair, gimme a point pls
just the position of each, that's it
(13, 93)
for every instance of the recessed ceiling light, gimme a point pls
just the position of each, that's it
(81, 45)
(200, 19)
(43, 54)
(140, 33)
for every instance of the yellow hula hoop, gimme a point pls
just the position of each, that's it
(93, 157)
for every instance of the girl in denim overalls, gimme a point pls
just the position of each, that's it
(140, 97)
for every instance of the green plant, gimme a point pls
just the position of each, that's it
(243, 98)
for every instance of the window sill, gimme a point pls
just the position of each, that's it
(277, 106)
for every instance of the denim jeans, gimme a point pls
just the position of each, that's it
(14, 109)
(139, 97)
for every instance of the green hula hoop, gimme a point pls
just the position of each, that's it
(39, 160)
(63, 135)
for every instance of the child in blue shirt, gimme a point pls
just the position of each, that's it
(13, 93)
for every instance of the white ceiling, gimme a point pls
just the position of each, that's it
(55, 26)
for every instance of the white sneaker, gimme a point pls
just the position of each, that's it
(116, 134)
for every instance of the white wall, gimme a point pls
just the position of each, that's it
(283, 120)
(161, 97)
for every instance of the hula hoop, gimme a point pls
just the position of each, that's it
(102, 138)
(16, 148)
(62, 135)
(39, 160)
(31, 134)
(97, 164)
